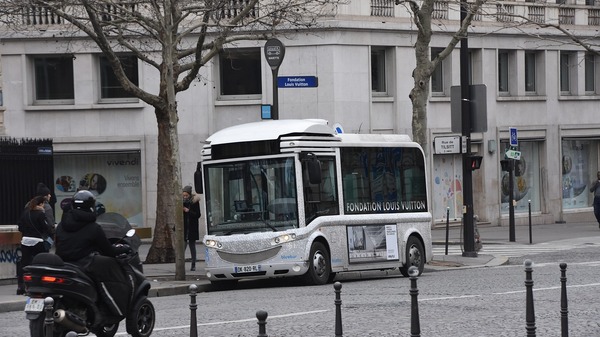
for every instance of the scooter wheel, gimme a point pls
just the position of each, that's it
(141, 318)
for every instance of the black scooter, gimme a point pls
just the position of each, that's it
(77, 305)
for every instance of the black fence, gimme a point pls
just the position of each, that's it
(23, 164)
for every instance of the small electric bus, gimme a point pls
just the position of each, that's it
(287, 198)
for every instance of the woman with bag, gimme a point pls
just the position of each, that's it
(36, 236)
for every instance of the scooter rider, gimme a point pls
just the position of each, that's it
(80, 240)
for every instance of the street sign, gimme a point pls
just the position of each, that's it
(512, 154)
(297, 81)
(274, 52)
(514, 140)
(446, 145)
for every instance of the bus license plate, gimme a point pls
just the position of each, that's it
(34, 304)
(247, 269)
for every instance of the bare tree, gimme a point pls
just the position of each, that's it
(177, 38)
(422, 18)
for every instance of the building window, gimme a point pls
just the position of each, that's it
(530, 72)
(378, 71)
(240, 72)
(526, 186)
(568, 67)
(590, 73)
(110, 88)
(503, 63)
(579, 167)
(54, 79)
(437, 77)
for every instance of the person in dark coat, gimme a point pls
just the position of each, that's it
(34, 229)
(80, 240)
(44, 191)
(191, 214)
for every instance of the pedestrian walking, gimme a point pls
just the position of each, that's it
(191, 214)
(34, 229)
(596, 190)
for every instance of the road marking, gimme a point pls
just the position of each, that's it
(445, 298)
(236, 321)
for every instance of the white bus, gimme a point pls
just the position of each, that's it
(291, 198)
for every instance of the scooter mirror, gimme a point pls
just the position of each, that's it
(130, 233)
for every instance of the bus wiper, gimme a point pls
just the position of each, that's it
(270, 226)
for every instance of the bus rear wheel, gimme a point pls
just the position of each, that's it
(319, 266)
(415, 256)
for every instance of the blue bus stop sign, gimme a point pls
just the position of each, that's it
(514, 140)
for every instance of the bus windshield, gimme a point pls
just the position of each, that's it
(251, 196)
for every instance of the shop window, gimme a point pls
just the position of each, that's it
(115, 178)
(579, 165)
(240, 73)
(526, 186)
(53, 77)
(110, 88)
(378, 71)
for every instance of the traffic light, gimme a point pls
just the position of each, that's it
(475, 162)
(518, 168)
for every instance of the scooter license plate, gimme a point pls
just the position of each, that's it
(34, 304)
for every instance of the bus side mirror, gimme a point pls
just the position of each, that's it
(314, 170)
(198, 185)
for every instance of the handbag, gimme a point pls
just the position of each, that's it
(48, 242)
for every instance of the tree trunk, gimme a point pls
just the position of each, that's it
(168, 236)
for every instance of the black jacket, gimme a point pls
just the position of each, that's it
(190, 219)
(33, 224)
(78, 235)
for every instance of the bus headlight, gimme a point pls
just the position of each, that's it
(284, 238)
(213, 244)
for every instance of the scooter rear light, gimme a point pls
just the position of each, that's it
(52, 279)
(27, 278)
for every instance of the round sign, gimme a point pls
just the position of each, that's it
(274, 52)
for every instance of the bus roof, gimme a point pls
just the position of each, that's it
(270, 130)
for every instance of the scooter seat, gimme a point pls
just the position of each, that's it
(48, 259)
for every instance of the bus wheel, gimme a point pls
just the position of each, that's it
(319, 267)
(415, 256)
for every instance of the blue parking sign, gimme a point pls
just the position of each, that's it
(514, 140)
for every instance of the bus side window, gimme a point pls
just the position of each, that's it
(320, 199)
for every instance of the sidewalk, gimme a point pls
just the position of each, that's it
(161, 275)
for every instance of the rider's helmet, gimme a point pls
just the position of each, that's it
(85, 201)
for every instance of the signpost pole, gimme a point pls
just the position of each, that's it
(274, 53)
(514, 141)
(469, 229)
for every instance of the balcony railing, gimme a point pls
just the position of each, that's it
(232, 8)
(382, 8)
(594, 17)
(537, 14)
(39, 15)
(440, 10)
(566, 16)
(505, 13)
(116, 11)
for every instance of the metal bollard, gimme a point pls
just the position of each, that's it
(49, 319)
(338, 309)
(530, 234)
(529, 310)
(415, 326)
(193, 306)
(564, 310)
(262, 323)
(447, 227)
